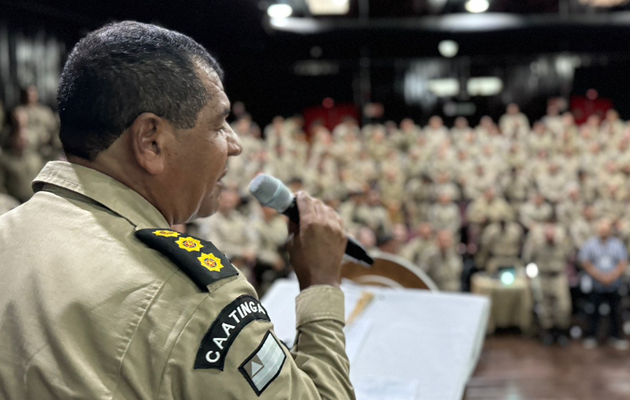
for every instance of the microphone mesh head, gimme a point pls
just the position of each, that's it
(271, 192)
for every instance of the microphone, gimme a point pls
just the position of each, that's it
(272, 193)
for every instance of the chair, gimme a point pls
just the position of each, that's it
(388, 271)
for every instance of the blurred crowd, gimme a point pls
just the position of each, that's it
(451, 201)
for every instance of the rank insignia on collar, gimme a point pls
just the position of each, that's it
(210, 261)
(197, 258)
(165, 233)
(189, 244)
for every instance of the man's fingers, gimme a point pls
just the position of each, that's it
(305, 205)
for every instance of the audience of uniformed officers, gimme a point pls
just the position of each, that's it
(554, 196)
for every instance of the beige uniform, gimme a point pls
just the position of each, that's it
(91, 312)
(531, 214)
(500, 246)
(481, 211)
(271, 235)
(7, 203)
(19, 171)
(42, 129)
(551, 287)
(416, 250)
(231, 233)
(445, 269)
(445, 217)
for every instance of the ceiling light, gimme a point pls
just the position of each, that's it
(484, 86)
(446, 87)
(328, 7)
(448, 48)
(477, 6)
(279, 11)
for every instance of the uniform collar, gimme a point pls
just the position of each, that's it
(102, 189)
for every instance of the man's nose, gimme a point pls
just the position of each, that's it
(234, 143)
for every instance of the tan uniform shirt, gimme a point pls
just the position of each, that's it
(231, 233)
(90, 312)
(444, 268)
(7, 203)
(19, 171)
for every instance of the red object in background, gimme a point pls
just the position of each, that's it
(582, 107)
(329, 117)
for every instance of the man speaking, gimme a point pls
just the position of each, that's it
(99, 299)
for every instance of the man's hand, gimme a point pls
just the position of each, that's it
(317, 246)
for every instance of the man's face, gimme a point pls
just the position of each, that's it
(198, 157)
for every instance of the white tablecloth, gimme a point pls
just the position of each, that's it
(411, 344)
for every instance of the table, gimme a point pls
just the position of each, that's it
(408, 343)
(511, 304)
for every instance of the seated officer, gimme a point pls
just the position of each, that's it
(100, 299)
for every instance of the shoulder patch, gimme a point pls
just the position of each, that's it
(264, 364)
(232, 319)
(197, 258)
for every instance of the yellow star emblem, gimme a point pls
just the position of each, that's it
(189, 244)
(211, 262)
(166, 233)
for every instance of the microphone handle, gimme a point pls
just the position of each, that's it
(353, 249)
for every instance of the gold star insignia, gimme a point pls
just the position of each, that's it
(189, 244)
(166, 233)
(211, 262)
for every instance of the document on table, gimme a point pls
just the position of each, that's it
(385, 388)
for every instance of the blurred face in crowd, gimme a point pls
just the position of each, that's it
(407, 125)
(243, 126)
(400, 233)
(568, 120)
(612, 116)
(552, 111)
(444, 240)
(444, 199)
(589, 213)
(278, 123)
(461, 123)
(435, 122)
(489, 194)
(32, 97)
(513, 109)
(539, 199)
(228, 201)
(550, 233)
(604, 229)
(374, 197)
(593, 121)
(366, 237)
(425, 231)
(486, 122)
(574, 193)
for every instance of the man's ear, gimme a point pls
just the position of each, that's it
(149, 135)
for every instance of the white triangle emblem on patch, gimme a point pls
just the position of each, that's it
(256, 367)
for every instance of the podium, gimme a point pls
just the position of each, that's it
(406, 344)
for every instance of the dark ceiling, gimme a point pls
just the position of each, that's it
(259, 60)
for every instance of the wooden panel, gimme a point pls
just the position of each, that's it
(387, 272)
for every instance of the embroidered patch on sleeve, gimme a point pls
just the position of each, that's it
(232, 319)
(197, 258)
(264, 364)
